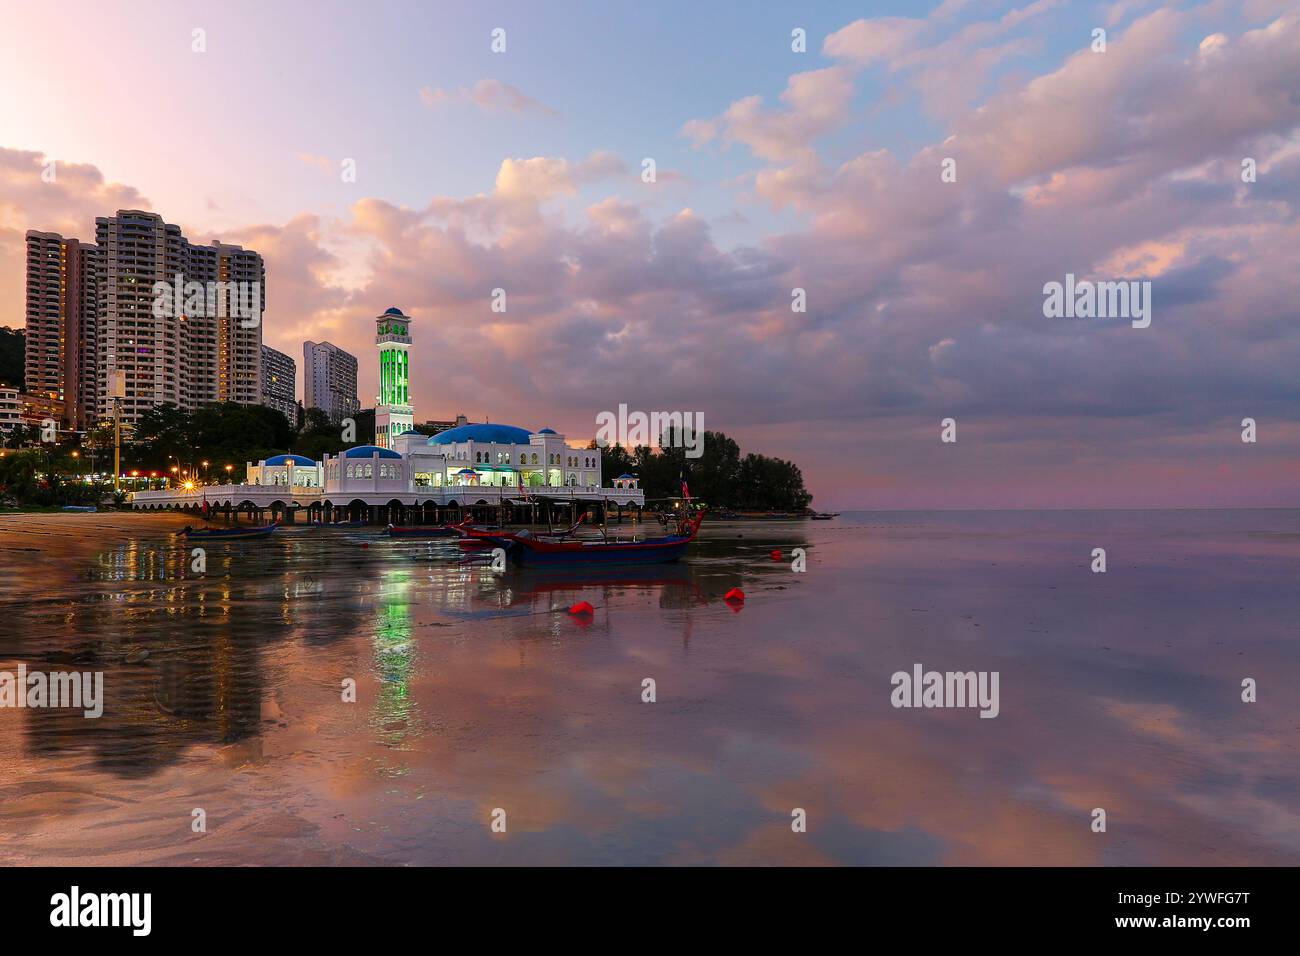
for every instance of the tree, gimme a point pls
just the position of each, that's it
(720, 477)
(13, 351)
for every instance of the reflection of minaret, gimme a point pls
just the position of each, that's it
(393, 411)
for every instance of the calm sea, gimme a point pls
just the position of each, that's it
(479, 698)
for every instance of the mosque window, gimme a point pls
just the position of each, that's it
(534, 458)
(370, 470)
(350, 471)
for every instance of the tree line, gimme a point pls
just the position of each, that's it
(720, 478)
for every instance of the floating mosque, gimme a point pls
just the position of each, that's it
(411, 475)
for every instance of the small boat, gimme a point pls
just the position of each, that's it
(824, 515)
(80, 508)
(231, 534)
(528, 549)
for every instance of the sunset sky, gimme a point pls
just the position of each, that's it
(776, 170)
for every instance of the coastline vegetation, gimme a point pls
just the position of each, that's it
(720, 478)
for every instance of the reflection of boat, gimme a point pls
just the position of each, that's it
(231, 534)
(359, 523)
(428, 531)
(548, 579)
(528, 549)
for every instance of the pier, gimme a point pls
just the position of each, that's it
(425, 505)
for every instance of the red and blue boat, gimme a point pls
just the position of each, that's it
(527, 549)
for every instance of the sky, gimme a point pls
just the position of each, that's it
(775, 169)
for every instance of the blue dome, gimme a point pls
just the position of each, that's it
(500, 434)
(410, 431)
(393, 310)
(290, 460)
(366, 451)
(547, 431)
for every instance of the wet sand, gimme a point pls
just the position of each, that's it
(477, 691)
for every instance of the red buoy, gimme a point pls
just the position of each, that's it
(365, 544)
(582, 607)
(776, 554)
(736, 595)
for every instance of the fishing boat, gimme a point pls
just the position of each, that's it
(231, 534)
(528, 549)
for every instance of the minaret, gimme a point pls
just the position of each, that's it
(393, 411)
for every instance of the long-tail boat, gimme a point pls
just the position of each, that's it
(529, 549)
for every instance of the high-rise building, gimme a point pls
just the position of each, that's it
(206, 350)
(230, 343)
(279, 383)
(393, 411)
(329, 380)
(62, 286)
(94, 320)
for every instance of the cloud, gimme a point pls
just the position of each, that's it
(323, 163)
(67, 204)
(924, 296)
(815, 103)
(881, 39)
(488, 95)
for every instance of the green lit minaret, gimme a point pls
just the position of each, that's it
(393, 411)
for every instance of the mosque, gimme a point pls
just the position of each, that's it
(413, 475)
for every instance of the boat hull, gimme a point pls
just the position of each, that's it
(529, 551)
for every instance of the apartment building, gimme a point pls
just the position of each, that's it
(61, 317)
(279, 383)
(330, 380)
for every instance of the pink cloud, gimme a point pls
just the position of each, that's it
(488, 95)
